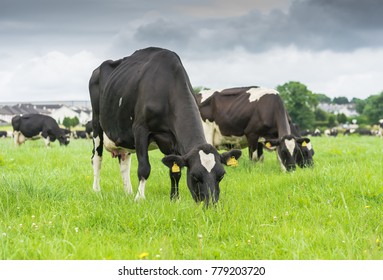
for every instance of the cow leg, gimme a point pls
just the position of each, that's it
(175, 179)
(16, 135)
(125, 163)
(260, 154)
(141, 136)
(96, 161)
(253, 147)
(47, 142)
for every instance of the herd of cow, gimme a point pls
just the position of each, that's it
(146, 101)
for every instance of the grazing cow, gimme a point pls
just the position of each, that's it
(3, 134)
(80, 134)
(380, 133)
(147, 97)
(250, 112)
(331, 132)
(34, 126)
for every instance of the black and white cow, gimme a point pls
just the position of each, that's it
(34, 126)
(380, 132)
(3, 134)
(147, 97)
(80, 134)
(244, 115)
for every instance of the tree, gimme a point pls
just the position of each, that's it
(322, 98)
(340, 100)
(70, 122)
(67, 122)
(341, 118)
(373, 109)
(300, 103)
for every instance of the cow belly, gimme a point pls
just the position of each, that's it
(111, 147)
(214, 136)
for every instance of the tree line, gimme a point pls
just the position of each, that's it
(302, 105)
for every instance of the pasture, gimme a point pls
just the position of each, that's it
(48, 209)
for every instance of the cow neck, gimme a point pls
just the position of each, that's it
(188, 126)
(283, 123)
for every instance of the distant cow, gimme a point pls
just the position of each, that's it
(380, 133)
(34, 126)
(80, 134)
(89, 129)
(147, 97)
(3, 134)
(231, 114)
(331, 132)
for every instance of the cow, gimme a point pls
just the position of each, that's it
(244, 115)
(3, 134)
(331, 132)
(146, 98)
(80, 134)
(380, 133)
(89, 129)
(34, 126)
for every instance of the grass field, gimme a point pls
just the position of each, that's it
(48, 209)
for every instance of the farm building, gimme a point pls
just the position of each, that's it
(56, 111)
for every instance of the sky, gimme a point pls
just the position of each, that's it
(49, 48)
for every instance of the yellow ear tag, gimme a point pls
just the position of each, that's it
(304, 144)
(232, 162)
(268, 145)
(175, 168)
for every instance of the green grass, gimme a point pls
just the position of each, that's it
(48, 209)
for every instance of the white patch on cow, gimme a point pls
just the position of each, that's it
(309, 146)
(120, 102)
(110, 146)
(125, 164)
(96, 162)
(47, 141)
(141, 190)
(290, 145)
(205, 94)
(214, 136)
(255, 157)
(257, 93)
(207, 160)
(283, 167)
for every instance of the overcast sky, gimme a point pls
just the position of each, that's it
(48, 48)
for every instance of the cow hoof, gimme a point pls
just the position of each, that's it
(139, 198)
(96, 188)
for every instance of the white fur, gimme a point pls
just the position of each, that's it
(47, 141)
(257, 93)
(207, 160)
(214, 136)
(141, 190)
(290, 144)
(125, 164)
(120, 102)
(96, 162)
(309, 146)
(281, 163)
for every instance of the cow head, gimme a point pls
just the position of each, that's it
(204, 170)
(63, 139)
(305, 152)
(287, 148)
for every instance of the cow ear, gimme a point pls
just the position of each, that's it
(271, 143)
(174, 162)
(303, 141)
(231, 158)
